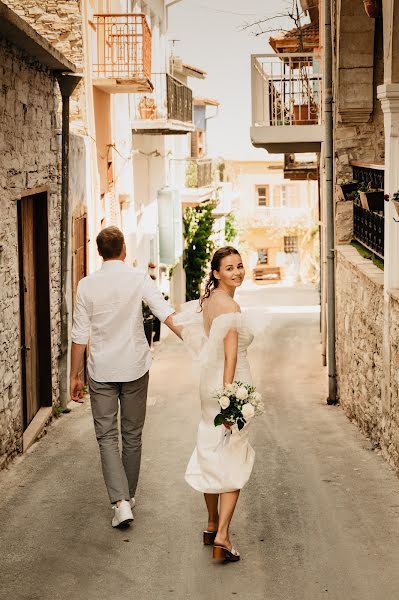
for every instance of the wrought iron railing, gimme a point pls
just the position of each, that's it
(123, 47)
(368, 228)
(192, 172)
(170, 100)
(286, 89)
(179, 100)
(369, 175)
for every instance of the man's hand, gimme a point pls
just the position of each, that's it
(76, 387)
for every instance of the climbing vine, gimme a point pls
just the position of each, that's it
(198, 227)
(230, 228)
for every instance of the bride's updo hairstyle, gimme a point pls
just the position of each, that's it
(212, 283)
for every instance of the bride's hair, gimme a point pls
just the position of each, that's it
(212, 283)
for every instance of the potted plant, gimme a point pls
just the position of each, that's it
(372, 8)
(371, 199)
(147, 108)
(148, 320)
(347, 190)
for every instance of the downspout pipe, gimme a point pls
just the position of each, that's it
(330, 212)
(67, 84)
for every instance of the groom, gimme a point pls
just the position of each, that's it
(108, 312)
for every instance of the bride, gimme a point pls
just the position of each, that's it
(222, 461)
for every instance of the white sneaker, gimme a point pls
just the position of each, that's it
(132, 503)
(122, 514)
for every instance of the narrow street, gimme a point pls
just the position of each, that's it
(319, 518)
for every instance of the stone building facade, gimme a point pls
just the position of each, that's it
(366, 88)
(30, 148)
(60, 23)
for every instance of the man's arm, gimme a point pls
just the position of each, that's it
(76, 385)
(80, 337)
(158, 305)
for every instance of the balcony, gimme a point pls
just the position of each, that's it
(168, 110)
(194, 178)
(300, 167)
(283, 216)
(287, 103)
(123, 53)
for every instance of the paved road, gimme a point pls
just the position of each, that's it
(319, 518)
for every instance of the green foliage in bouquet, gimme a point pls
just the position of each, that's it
(239, 403)
(198, 227)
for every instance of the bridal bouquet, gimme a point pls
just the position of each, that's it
(239, 403)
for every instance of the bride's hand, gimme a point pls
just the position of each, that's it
(227, 425)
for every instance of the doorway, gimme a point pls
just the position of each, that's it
(79, 268)
(34, 304)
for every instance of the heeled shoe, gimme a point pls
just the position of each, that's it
(209, 537)
(224, 554)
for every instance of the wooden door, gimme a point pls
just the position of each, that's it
(79, 267)
(34, 305)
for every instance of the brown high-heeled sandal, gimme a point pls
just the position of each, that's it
(223, 553)
(209, 537)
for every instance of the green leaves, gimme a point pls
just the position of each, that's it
(218, 420)
(240, 424)
(230, 229)
(198, 227)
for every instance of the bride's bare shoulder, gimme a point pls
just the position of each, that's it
(221, 303)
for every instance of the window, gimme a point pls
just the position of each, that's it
(290, 244)
(263, 256)
(262, 192)
(279, 196)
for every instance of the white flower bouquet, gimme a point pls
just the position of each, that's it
(239, 403)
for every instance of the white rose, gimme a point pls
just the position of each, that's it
(224, 402)
(242, 393)
(248, 411)
(256, 397)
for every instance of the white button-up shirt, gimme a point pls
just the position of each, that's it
(108, 312)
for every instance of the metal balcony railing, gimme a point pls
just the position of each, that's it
(286, 89)
(192, 173)
(368, 228)
(123, 47)
(170, 101)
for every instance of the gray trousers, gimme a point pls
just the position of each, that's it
(120, 473)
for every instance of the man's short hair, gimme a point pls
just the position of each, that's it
(110, 242)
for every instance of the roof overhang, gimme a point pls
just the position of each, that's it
(17, 31)
(205, 102)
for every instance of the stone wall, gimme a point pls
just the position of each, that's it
(362, 141)
(359, 322)
(60, 22)
(29, 157)
(391, 406)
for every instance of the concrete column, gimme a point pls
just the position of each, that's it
(388, 94)
(157, 64)
(137, 7)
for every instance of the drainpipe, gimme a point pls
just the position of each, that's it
(330, 212)
(67, 83)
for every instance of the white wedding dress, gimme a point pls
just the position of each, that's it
(223, 459)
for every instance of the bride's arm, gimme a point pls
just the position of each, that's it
(230, 356)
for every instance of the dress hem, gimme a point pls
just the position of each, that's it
(203, 490)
